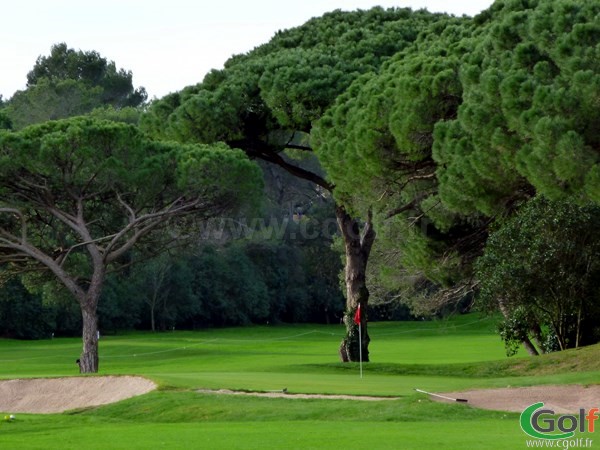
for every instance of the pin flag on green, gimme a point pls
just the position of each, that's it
(357, 322)
(357, 315)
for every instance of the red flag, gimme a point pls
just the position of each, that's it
(357, 315)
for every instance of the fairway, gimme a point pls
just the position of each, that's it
(440, 356)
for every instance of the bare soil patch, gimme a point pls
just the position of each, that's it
(54, 395)
(562, 398)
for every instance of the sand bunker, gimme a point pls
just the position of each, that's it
(288, 395)
(54, 395)
(562, 399)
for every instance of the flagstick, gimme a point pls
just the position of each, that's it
(360, 347)
(358, 321)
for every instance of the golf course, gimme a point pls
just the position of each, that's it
(455, 354)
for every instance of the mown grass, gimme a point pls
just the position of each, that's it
(574, 361)
(440, 356)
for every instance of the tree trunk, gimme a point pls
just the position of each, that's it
(88, 361)
(527, 344)
(357, 247)
(537, 337)
(578, 331)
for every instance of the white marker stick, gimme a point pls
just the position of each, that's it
(462, 400)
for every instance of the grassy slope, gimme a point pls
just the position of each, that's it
(445, 355)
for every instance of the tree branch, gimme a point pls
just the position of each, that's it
(24, 248)
(263, 151)
(368, 234)
(275, 158)
(128, 208)
(23, 222)
(394, 212)
(289, 144)
(144, 224)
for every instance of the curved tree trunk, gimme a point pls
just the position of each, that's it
(537, 338)
(357, 245)
(527, 344)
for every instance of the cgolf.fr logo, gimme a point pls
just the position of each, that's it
(542, 423)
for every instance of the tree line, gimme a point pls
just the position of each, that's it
(232, 285)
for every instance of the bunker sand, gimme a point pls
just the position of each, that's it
(563, 399)
(55, 395)
(291, 396)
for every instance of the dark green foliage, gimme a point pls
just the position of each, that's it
(228, 288)
(309, 66)
(128, 114)
(23, 315)
(50, 100)
(237, 284)
(529, 115)
(260, 102)
(77, 196)
(376, 143)
(457, 128)
(301, 281)
(92, 69)
(68, 318)
(542, 267)
(288, 82)
(69, 83)
(33, 315)
(5, 121)
(390, 311)
(109, 160)
(379, 132)
(119, 309)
